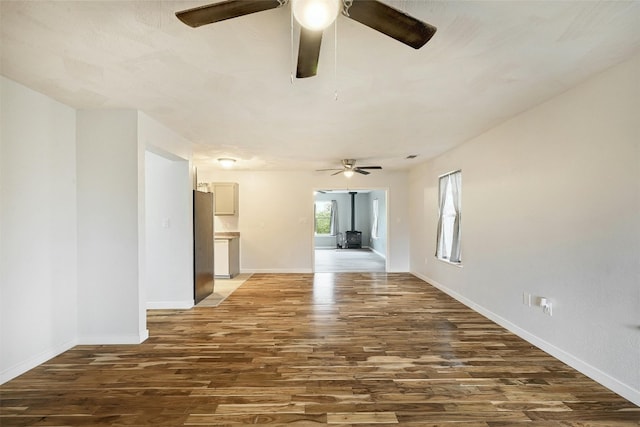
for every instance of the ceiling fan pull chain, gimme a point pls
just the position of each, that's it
(335, 59)
(291, 61)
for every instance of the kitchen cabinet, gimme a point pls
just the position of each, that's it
(226, 255)
(226, 197)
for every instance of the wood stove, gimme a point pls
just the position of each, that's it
(353, 240)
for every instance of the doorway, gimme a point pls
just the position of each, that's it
(350, 230)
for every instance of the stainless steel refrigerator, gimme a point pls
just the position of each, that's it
(202, 245)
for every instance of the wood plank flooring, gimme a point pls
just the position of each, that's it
(350, 349)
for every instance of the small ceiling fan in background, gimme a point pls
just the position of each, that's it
(349, 168)
(316, 15)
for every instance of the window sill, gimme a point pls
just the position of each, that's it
(446, 261)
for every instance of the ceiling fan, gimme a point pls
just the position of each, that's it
(349, 168)
(316, 15)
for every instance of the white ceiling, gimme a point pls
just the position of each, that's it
(227, 86)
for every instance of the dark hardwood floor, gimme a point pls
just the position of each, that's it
(330, 349)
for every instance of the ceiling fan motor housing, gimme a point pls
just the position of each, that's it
(348, 163)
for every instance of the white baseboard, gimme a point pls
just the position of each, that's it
(170, 305)
(114, 339)
(24, 366)
(278, 271)
(592, 372)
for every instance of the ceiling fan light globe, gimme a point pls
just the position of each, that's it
(348, 173)
(315, 15)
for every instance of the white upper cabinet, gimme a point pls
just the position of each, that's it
(226, 197)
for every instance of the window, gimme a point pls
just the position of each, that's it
(323, 217)
(450, 214)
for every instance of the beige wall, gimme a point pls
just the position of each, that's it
(551, 206)
(276, 216)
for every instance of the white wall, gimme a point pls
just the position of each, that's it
(169, 246)
(38, 267)
(111, 305)
(168, 277)
(72, 252)
(551, 206)
(363, 217)
(379, 244)
(276, 216)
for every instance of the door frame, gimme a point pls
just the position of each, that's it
(347, 189)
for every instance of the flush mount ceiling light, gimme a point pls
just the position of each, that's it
(315, 15)
(226, 162)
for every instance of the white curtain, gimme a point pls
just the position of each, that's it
(443, 183)
(374, 228)
(456, 185)
(334, 227)
(315, 217)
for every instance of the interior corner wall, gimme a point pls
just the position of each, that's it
(551, 207)
(108, 168)
(38, 252)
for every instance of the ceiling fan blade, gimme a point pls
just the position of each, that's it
(308, 53)
(369, 167)
(361, 171)
(390, 21)
(325, 170)
(228, 9)
(339, 172)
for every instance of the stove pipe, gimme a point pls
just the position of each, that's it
(353, 210)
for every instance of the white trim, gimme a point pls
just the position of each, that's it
(592, 372)
(32, 362)
(278, 271)
(114, 339)
(170, 305)
(446, 261)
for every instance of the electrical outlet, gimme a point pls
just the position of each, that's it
(547, 306)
